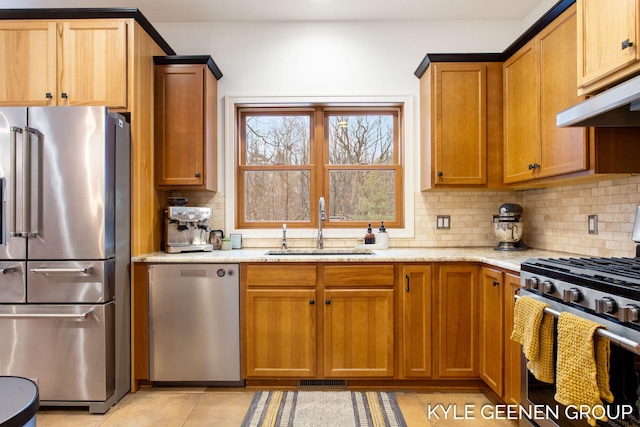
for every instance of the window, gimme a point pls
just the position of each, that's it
(290, 157)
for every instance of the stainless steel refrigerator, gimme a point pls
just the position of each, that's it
(65, 253)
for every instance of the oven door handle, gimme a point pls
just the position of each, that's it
(623, 342)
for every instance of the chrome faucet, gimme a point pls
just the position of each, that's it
(284, 236)
(321, 217)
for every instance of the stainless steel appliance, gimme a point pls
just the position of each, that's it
(508, 228)
(194, 323)
(604, 290)
(187, 229)
(65, 253)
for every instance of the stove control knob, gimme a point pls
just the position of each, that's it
(571, 295)
(547, 287)
(606, 305)
(629, 313)
(532, 283)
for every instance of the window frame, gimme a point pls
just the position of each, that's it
(319, 167)
(224, 199)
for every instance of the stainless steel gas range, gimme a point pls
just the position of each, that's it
(604, 290)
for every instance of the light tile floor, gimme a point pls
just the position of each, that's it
(225, 407)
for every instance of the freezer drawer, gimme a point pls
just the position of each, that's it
(12, 282)
(194, 322)
(68, 350)
(70, 281)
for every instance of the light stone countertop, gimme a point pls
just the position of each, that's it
(503, 259)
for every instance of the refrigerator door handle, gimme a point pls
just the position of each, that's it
(3, 212)
(45, 270)
(31, 176)
(13, 184)
(79, 316)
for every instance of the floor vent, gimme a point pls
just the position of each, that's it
(322, 384)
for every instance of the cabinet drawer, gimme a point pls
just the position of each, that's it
(281, 275)
(359, 275)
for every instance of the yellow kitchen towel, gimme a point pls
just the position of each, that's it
(534, 330)
(582, 371)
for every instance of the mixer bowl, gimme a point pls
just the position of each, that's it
(510, 232)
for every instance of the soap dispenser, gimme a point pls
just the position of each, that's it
(382, 237)
(369, 238)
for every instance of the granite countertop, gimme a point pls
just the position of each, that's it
(485, 255)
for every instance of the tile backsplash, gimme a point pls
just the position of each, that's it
(554, 218)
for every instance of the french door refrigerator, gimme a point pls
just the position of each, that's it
(65, 253)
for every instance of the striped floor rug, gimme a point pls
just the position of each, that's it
(323, 409)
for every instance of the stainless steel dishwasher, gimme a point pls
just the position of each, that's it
(194, 323)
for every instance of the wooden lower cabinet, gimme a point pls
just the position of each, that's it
(286, 336)
(456, 325)
(415, 337)
(358, 333)
(512, 350)
(491, 325)
(281, 333)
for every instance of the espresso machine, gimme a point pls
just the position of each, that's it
(508, 228)
(187, 229)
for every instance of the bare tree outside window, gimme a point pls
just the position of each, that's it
(284, 165)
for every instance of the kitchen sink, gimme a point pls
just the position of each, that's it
(328, 251)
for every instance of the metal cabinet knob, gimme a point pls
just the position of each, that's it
(312, 301)
(626, 44)
(197, 174)
(495, 283)
(63, 95)
(327, 301)
(48, 95)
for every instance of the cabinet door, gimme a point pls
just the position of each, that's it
(27, 63)
(563, 150)
(491, 328)
(521, 115)
(603, 28)
(280, 333)
(358, 333)
(417, 300)
(94, 58)
(459, 131)
(457, 324)
(512, 354)
(179, 129)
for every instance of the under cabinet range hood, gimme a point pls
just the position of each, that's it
(618, 106)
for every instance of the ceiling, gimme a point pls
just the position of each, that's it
(158, 11)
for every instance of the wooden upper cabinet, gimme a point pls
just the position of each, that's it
(562, 150)
(539, 83)
(76, 62)
(461, 102)
(185, 127)
(521, 114)
(607, 42)
(94, 58)
(28, 63)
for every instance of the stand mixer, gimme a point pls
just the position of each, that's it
(508, 228)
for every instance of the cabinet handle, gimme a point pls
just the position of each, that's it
(63, 95)
(534, 166)
(440, 173)
(327, 301)
(408, 284)
(48, 95)
(312, 301)
(626, 44)
(197, 174)
(495, 283)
